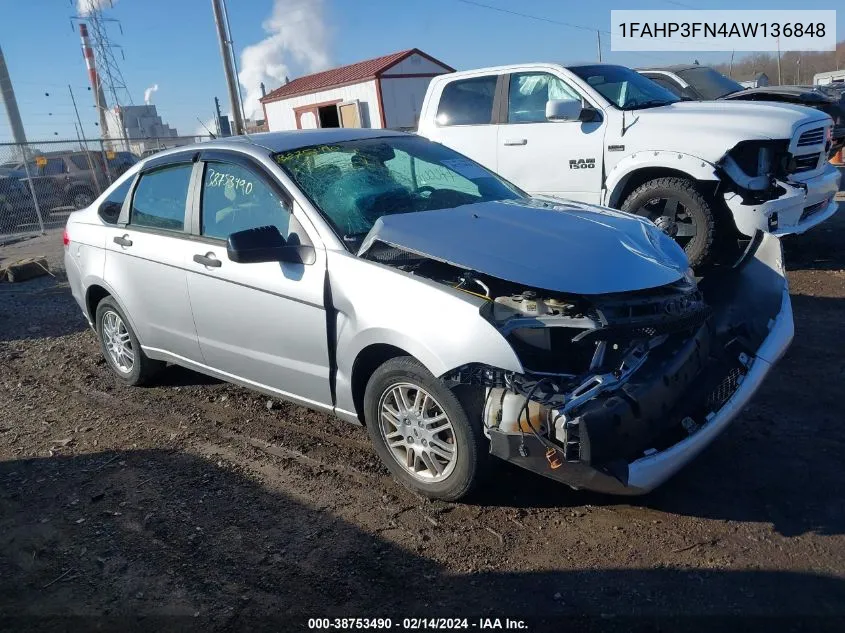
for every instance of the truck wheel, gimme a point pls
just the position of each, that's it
(81, 197)
(427, 439)
(667, 201)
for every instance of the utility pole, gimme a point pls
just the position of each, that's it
(731, 69)
(780, 77)
(598, 41)
(228, 67)
(7, 96)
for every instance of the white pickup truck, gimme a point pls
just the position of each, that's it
(604, 134)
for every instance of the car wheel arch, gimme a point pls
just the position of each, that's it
(95, 292)
(93, 295)
(366, 362)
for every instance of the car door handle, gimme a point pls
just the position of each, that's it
(123, 240)
(516, 141)
(208, 260)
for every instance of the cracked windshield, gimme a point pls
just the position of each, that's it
(354, 183)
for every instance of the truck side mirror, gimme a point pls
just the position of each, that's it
(563, 110)
(567, 110)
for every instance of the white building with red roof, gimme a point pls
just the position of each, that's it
(386, 92)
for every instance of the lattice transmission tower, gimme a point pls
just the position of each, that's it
(99, 50)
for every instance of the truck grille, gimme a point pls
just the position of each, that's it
(806, 162)
(811, 137)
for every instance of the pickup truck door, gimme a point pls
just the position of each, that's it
(561, 158)
(465, 118)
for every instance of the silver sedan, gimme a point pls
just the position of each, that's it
(394, 283)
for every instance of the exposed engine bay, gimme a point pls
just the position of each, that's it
(610, 378)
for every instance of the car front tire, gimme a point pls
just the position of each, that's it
(430, 440)
(120, 346)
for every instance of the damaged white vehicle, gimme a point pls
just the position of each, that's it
(392, 282)
(706, 172)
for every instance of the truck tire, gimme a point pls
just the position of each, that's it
(404, 406)
(679, 200)
(80, 197)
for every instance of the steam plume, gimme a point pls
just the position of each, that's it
(296, 32)
(148, 93)
(84, 7)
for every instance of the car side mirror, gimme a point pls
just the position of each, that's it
(568, 110)
(266, 244)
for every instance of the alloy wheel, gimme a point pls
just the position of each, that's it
(670, 212)
(417, 432)
(117, 342)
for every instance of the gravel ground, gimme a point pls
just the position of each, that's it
(191, 504)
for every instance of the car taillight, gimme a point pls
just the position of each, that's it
(65, 238)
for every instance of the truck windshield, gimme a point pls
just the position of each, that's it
(354, 183)
(709, 83)
(623, 87)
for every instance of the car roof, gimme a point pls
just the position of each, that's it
(674, 68)
(528, 65)
(283, 141)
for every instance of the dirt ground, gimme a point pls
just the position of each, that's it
(194, 504)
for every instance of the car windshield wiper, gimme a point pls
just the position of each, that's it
(351, 238)
(653, 103)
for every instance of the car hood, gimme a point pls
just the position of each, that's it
(553, 245)
(801, 93)
(723, 124)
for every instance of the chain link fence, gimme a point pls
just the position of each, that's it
(41, 183)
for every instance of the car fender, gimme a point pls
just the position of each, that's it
(373, 304)
(94, 280)
(692, 166)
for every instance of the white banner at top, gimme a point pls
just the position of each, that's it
(693, 30)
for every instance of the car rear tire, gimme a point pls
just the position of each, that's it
(429, 440)
(120, 346)
(679, 200)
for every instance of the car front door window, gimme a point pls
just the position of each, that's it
(528, 94)
(236, 199)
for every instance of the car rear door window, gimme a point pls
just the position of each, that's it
(54, 167)
(467, 102)
(235, 198)
(528, 94)
(159, 200)
(80, 161)
(110, 208)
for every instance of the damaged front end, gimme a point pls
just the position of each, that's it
(621, 390)
(781, 186)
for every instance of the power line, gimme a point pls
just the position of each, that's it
(530, 17)
(539, 18)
